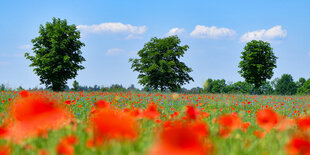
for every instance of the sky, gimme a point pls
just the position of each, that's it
(114, 31)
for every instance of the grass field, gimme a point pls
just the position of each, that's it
(152, 123)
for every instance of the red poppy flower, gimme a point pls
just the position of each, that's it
(230, 121)
(245, 126)
(259, 134)
(65, 149)
(33, 115)
(151, 112)
(5, 150)
(298, 145)
(24, 93)
(180, 139)
(192, 112)
(102, 104)
(113, 124)
(65, 146)
(68, 102)
(267, 119)
(304, 123)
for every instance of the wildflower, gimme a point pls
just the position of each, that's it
(65, 146)
(192, 112)
(33, 115)
(113, 124)
(267, 119)
(5, 150)
(151, 112)
(68, 102)
(102, 104)
(245, 126)
(304, 123)
(298, 145)
(259, 134)
(181, 139)
(24, 93)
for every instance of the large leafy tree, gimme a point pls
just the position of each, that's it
(305, 89)
(57, 53)
(159, 66)
(258, 62)
(286, 85)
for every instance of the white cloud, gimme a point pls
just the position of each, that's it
(25, 47)
(113, 28)
(133, 36)
(175, 31)
(114, 51)
(275, 32)
(212, 32)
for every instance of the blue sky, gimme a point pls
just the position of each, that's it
(114, 31)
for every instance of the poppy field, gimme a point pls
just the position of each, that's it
(42, 122)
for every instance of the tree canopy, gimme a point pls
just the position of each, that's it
(305, 89)
(258, 62)
(57, 53)
(159, 66)
(285, 85)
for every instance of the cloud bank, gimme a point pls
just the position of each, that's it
(118, 28)
(273, 33)
(212, 32)
(175, 31)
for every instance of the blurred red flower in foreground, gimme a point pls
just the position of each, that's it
(5, 150)
(299, 145)
(267, 119)
(304, 123)
(151, 111)
(228, 123)
(113, 124)
(32, 115)
(102, 104)
(178, 138)
(192, 112)
(65, 146)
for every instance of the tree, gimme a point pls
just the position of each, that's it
(207, 86)
(258, 62)
(300, 82)
(266, 88)
(75, 85)
(305, 89)
(57, 54)
(286, 85)
(159, 66)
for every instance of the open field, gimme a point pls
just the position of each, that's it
(152, 123)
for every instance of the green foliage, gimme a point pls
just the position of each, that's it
(207, 86)
(57, 54)
(266, 88)
(215, 86)
(75, 85)
(2, 87)
(20, 88)
(305, 89)
(159, 66)
(241, 87)
(300, 82)
(258, 62)
(5, 87)
(286, 85)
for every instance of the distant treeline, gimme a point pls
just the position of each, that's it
(285, 85)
